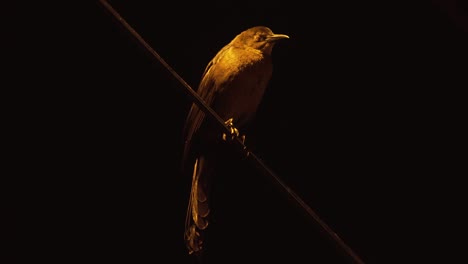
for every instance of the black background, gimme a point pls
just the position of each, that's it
(360, 120)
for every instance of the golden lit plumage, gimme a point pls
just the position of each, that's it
(233, 85)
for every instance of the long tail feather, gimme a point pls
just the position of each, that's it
(198, 208)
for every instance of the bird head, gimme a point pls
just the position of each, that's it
(260, 38)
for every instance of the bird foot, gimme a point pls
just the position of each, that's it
(234, 132)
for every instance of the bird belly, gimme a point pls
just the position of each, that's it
(240, 97)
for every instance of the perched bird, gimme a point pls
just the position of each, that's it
(233, 85)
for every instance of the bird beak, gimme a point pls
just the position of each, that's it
(276, 37)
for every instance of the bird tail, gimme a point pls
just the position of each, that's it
(196, 220)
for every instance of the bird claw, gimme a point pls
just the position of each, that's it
(234, 132)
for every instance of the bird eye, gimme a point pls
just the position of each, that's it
(259, 37)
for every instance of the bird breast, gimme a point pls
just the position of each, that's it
(246, 74)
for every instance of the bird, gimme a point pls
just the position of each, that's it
(232, 84)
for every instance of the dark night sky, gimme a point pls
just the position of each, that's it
(356, 120)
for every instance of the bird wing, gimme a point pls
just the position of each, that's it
(207, 90)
